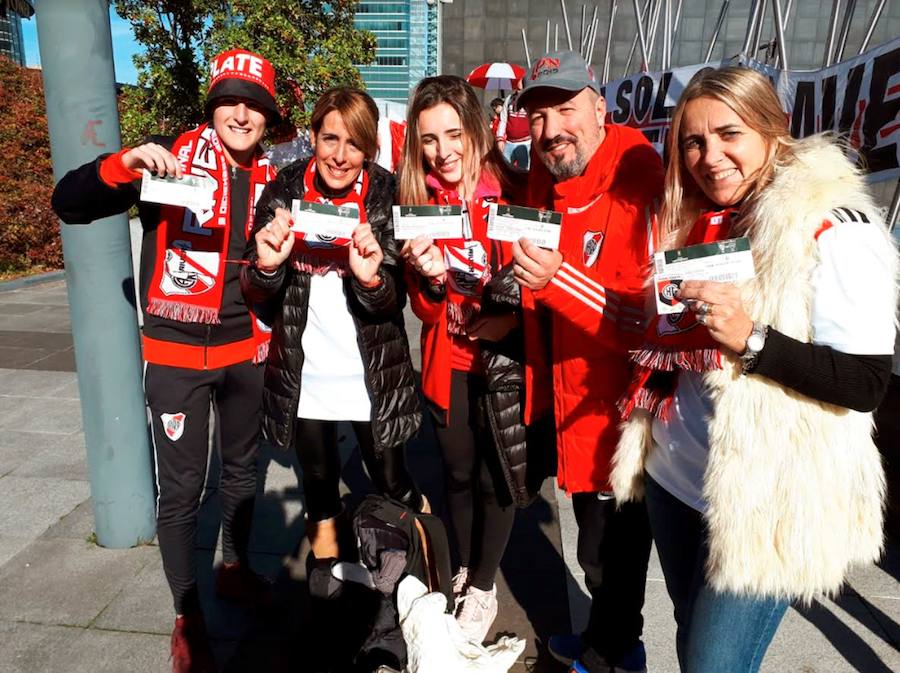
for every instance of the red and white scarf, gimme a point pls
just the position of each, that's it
(317, 254)
(467, 259)
(192, 249)
(677, 341)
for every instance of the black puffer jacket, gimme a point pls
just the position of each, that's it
(525, 453)
(377, 312)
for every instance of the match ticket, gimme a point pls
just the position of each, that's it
(727, 261)
(435, 222)
(323, 220)
(510, 223)
(191, 191)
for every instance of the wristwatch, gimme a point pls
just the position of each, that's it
(755, 343)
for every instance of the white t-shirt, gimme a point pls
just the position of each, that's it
(332, 382)
(851, 288)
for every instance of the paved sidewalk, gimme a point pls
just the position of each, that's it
(68, 605)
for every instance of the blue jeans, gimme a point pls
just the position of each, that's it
(718, 632)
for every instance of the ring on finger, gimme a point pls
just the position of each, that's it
(704, 308)
(702, 318)
(268, 226)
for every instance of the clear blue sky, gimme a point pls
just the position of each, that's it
(124, 46)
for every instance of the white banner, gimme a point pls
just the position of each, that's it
(858, 98)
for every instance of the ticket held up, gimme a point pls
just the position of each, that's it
(191, 191)
(510, 223)
(727, 261)
(434, 222)
(323, 220)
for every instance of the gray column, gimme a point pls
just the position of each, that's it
(79, 88)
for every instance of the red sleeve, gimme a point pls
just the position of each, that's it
(426, 309)
(114, 173)
(587, 304)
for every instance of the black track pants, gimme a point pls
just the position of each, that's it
(317, 449)
(481, 524)
(179, 401)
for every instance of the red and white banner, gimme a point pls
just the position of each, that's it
(858, 98)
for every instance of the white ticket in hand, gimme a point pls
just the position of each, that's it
(435, 222)
(727, 261)
(191, 191)
(324, 220)
(510, 223)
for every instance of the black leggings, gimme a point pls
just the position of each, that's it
(482, 525)
(317, 449)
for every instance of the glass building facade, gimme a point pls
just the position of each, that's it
(407, 34)
(11, 43)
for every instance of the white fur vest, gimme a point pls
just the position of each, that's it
(794, 487)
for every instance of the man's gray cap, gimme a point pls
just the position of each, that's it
(561, 70)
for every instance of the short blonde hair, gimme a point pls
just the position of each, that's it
(754, 100)
(359, 112)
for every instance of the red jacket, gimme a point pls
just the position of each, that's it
(436, 340)
(596, 298)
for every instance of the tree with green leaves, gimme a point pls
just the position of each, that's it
(312, 44)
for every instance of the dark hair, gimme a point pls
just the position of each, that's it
(496, 101)
(359, 112)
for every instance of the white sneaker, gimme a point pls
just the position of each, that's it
(477, 611)
(460, 583)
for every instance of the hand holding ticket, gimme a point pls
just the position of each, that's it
(727, 261)
(191, 191)
(323, 220)
(510, 223)
(434, 222)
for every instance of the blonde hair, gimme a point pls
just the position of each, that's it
(357, 110)
(754, 100)
(479, 151)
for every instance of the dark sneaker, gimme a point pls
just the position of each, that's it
(191, 652)
(634, 661)
(566, 647)
(236, 582)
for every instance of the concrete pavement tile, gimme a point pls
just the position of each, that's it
(881, 579)
(96, 651)
(38, 503)
(63, 462)
(27, 383)
(18, 447)
(825, 638)
(49, 319)
(885, 611)
(11, 545)
(60, 361)
(19, 308)
(144, 604)
(28, 648)
(35, 415)
(49, 340)
(12, 457)
(66, 582)
(17, 357)
(76, 525)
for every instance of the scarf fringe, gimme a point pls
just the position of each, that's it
(316, 266)
(459, 315)
(696, 360)
(181, 312)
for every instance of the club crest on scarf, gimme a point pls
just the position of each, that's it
(189, 273)
(593, 240)
(466, 266)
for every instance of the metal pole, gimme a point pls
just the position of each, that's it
(640, 36)
(593, 41)
(715, 35)
(79, 89)
(760, 20)
(832, 31)
(609, 32)
(556, 37)
(845, 31)
(634, 41)
(751, 28)
(581, 35)
(667, 55)
(565, 14)
(592, 36)
(677, 23)
(779, 35)
(876, 15)
(653, 27)
(525, 44)
(547, 50)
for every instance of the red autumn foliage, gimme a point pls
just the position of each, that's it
(29, 230)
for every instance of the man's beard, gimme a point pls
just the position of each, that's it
(563, 170)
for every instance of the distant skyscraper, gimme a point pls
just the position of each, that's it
(11, 43)
(408, 45)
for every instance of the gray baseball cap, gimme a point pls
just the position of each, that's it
(562, 70)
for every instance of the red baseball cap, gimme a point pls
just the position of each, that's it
(242, 74)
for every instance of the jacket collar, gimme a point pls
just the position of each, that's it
(598, 174)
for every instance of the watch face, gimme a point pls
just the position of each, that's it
(756, 342)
